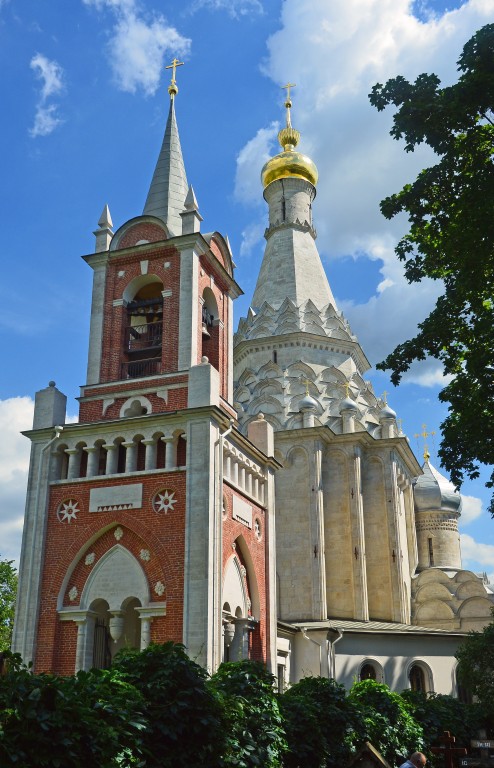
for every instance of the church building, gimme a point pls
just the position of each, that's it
(248, 495)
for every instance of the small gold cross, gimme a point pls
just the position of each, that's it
(288, 99)
(172, 88)
(425, 435)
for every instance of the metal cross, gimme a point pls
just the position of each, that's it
(175, 63)
(425, 435)
(288, 86)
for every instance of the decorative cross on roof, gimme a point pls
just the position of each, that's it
(425, 435)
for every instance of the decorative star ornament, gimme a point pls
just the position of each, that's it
(67, 511)
(164, 501)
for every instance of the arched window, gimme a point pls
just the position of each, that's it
(368, 672)
(210, 329)
(416, 677)
(143, 332)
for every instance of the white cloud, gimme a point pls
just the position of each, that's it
(471, 509)
(474, 553)
(16, 414)
(252, 235)
(235, 8)
(51, 75)
(138, 44)
(250, 161)
(336, 52)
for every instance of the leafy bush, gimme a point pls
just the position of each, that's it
(184, 716)
(389, 723)
(322, 724)
(93, 718)
(255, 733)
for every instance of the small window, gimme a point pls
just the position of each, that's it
(416, 677)
(431, 553)
(368, 672)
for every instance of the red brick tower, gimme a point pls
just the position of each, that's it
(152, 518)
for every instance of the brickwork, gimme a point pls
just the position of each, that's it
(92, 410)
(67, 545)
(145, 230)
(248, 545)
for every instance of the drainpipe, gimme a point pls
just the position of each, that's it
(306, 637)
(58, 432)
(332, 640)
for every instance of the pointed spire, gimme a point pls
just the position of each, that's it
(105, 218)
(104, 233)
(169, 186)
(191, 218)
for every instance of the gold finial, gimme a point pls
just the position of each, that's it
(347, 388)
(173, 88)
(306, 381)
(288, 136)
(384, 397)
(425, 435)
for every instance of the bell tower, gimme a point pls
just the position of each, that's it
(143, 521)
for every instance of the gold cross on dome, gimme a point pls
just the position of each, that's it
(347, 388)
(306, 381)
(385, 397)
(288, 86)
(425, 435)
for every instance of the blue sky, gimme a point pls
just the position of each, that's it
(84, 104)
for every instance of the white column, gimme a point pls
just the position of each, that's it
(235, 471)
(111, 458)
(248, 481)
(241, 475)
(74, 463)
(170, 452)
(145, 632)
(92, 460)
(151, 451)
(130, 456)
(81, 644)
(227, 466)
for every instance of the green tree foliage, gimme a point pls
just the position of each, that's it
(389, 723)
(437, 713)
(253, 723)
(8, 590)
(322, 725)
(451, 238)
(184, 716)
(476, 668)
(93, 718)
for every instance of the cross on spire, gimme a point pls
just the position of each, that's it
(173, 88)
(425, 435)
(288, 102)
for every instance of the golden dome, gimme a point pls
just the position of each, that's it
(289, 163)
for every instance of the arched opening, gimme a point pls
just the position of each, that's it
(114, 630)
(143, 328)
(101, 653)
(210, 328)
(417, 679)
(368, 672)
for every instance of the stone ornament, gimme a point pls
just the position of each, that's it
(118, 533)
(145, 555)
(73, 594)
(90, 558)
(68, 510)
(164, 501)
(257, 528)
(243, 570)
(159, 588)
